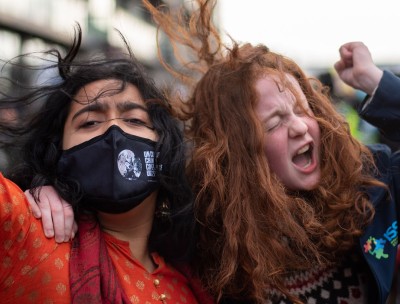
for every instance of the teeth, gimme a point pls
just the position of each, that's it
(304, 149)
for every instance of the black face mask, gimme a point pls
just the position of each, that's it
(116, 170)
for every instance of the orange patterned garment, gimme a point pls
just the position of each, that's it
(163, 285)
(35, 269)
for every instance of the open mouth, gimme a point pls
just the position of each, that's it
(303, 157)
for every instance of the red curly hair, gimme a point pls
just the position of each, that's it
(253, 231)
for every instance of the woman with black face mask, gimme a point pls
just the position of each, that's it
(105, 139)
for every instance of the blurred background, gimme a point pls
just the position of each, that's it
(309, 31)
(36, 25)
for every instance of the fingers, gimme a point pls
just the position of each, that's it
(57, 215)
(346, 49)
(33, 205)
(339, 66)
(70, 226)
(346, 52)
(57, 212)
(355, 53)
(356, 67)
(345, 61)
(64, 223)
(41, 209)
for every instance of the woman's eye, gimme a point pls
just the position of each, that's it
(137, 122)
(88, 124)
(271, 128)
(134, 122)
(272, 124)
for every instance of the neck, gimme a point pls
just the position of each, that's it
(133, 227)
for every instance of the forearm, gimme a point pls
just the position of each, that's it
(383, 110)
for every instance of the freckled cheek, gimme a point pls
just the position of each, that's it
(313, 126)
(315, 132)
(275, 152)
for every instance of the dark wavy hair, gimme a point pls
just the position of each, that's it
(253, 231)
(42, 136)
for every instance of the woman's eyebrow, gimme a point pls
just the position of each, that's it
(93, 107)
(130, 105)
(103, 106)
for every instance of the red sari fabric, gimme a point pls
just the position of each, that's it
(92, 276)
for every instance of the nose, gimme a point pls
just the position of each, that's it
(298, 126)
(113, 122)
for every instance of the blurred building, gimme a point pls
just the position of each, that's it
(34, 25)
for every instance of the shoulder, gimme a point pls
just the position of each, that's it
(379, 150)
(15, 215)
(11, 196)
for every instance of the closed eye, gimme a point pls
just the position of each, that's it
(272, 128)
(273, 123)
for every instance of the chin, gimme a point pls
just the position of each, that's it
(306, 185)
(303, 183)
(311, 185)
